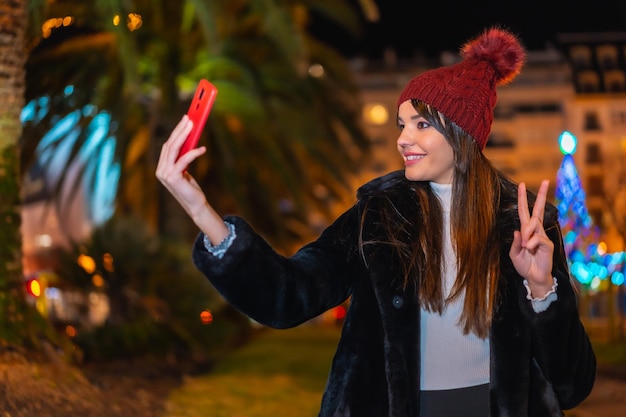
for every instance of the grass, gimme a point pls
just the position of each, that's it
(611, 358)
(282, 373)
(611, 353)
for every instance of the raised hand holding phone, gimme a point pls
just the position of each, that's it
(198, 113)
(183, 187)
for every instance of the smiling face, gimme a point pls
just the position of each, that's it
(427, 154)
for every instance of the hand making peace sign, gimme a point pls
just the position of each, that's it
(532, 250)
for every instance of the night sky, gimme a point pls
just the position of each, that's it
(408, 26)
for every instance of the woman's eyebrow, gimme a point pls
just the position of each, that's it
(414, 117)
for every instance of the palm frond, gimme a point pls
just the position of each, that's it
(283, 144)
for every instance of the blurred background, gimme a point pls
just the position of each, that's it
(305, 114)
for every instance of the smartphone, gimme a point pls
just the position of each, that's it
(198, 112)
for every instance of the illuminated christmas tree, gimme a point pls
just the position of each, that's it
(589, 262)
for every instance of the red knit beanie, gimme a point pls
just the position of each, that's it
(466, 92)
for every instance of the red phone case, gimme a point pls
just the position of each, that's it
(198, 112)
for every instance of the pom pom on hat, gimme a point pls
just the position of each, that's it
(501, 49)
(466, 92)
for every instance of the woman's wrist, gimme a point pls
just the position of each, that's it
(211, 224)
(540, 292)
(220, 249)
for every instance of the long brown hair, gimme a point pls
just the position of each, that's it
(475, 202)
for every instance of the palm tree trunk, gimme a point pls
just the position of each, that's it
(13, 308)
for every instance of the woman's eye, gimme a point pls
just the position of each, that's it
(423, 125)
(400, 127)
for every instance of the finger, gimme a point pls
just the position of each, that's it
(516, 246)
(529, 230)
(540, 202)
(178, 136)
(171, 147)
(522, 204)
(189, 157)
(537, 242)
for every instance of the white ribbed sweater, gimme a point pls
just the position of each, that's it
(449, 358)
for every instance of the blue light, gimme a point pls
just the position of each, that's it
(35, 110)
(89, 110)
(28, 112)
(95, 165)
(567, 143)
(107, 175)
(53, 293)
(617, 278)
(592, 249)
(570, 196)
(581, 273)
(102, 173)
(55, 159)
(96, 133)
(59, 129)
(570, 237)
(618, 257)
(577, 256)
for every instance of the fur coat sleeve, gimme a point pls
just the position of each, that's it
(280, 291)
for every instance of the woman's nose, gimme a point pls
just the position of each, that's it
(403, 140)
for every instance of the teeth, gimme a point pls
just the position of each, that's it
(413, 157)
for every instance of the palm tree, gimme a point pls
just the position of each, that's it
(106, 84)
(283, 138)
(19, 324)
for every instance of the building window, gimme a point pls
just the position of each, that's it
(581, 57)
(594, 155)
(500, 140)
(588, 82)
(550, 108)
(607, 57)
(538, 108)
(592, 122)
(595, 185)
(614, 81)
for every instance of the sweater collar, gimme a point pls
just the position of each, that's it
(444, 193)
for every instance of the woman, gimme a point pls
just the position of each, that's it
(460, 296)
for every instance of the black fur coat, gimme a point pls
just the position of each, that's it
(541, 363)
